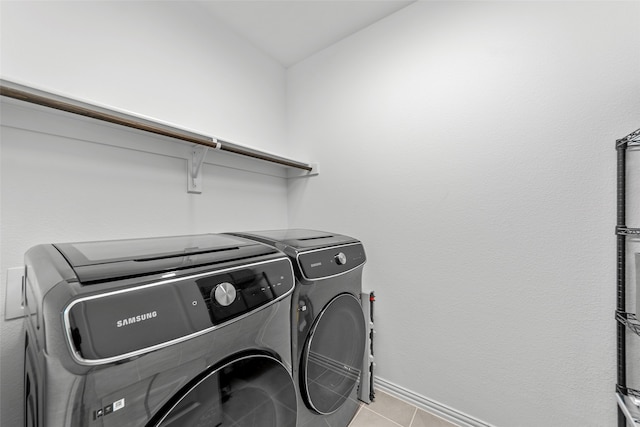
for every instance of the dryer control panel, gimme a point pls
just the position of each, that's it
(328, 262)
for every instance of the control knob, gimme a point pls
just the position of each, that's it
(225, 294)
(341, 258)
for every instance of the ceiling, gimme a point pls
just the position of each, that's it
(292, 30)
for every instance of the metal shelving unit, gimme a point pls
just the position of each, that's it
(628, 398)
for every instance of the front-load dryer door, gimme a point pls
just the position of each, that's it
(250, 391)
(331, 362)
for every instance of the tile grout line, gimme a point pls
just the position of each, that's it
(356, 415)
(394, 396)
(415, 411)
(382, 416)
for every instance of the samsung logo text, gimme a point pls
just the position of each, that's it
(136, 319)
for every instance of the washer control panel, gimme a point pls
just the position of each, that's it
(116, 325)
(234, 293)
(323, 263)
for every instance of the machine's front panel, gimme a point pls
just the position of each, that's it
(112, 326)
(324, 263)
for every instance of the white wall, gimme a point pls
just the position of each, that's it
(164, 59)
(470, 145)
(66, 179)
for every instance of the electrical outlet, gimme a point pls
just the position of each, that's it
(13, 302)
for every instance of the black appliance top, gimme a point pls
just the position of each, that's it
(100, 261)
(317, 254)
(300, 239)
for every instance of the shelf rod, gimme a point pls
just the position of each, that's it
(83, 109)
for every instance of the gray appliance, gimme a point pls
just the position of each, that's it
(329, 327)
(182, 331)
(637, 256)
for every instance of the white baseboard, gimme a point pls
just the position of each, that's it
(456, 417)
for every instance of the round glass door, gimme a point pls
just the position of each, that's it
(333, 353)
(251, 391)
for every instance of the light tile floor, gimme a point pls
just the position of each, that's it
(388, 411)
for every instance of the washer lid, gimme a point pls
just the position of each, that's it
(300, 239)
(112, 259)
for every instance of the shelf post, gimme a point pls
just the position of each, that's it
(620, 288)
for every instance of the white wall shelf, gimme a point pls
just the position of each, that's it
(200, 143)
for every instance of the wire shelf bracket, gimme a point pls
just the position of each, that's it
(629, 403)
(626, 231)
(630, 140)
(630, 321)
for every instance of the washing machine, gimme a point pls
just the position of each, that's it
(329, 326)
(184, 331)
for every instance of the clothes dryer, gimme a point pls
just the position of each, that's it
(182, 331)
(329, 328)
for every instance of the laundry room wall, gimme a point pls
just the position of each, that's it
(65, 178)
(470, 145)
